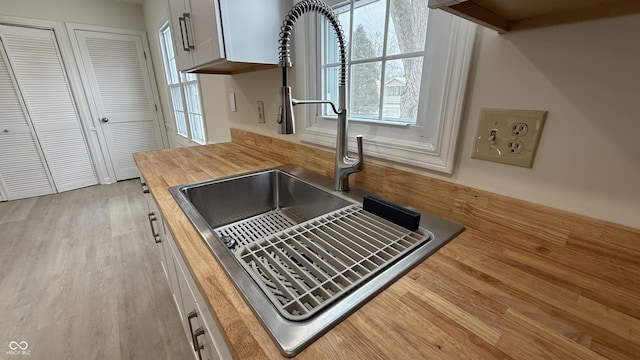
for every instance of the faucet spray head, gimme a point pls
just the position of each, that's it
(286, 121)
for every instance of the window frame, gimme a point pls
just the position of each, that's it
(429, 144)
(183, 81)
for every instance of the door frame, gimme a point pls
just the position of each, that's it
(74, 80)
(101, 139)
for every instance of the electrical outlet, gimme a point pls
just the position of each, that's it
(509, 136)
(260, 108)
(515, 147)
(519, 129)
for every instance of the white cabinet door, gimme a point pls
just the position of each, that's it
(156, 232)
(118, 75)
(197, 35)
(179, 32)
(195, 315)
(206, 32)
(190, 313)
(226, 35)
(42, 81)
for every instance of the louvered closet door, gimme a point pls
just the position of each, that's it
(23, 172)
(119, 78)
(39, 72)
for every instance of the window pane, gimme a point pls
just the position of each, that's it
(407, 26)
(176, 98)
(197, 132)
(193, 102)
(330, 89)
(181, 124)
(331, 50)
(402, 90)
(195, 114)
(365, 90)
(368, 25)
(178, 111)
(173, 72)
(169, 45)
(163, 44)
(184, 77)
(169, 56)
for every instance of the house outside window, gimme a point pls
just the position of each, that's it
(185, 95)
(394, 90)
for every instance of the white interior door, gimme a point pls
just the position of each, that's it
(117, 73)
(42, 81)
(23, 171)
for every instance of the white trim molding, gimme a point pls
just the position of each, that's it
(432, 143)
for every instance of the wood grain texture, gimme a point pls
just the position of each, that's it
(80, 278)
(512, 15)
(522, 282)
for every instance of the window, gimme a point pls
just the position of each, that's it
(379, 52)
(407, 70)
(183, 89)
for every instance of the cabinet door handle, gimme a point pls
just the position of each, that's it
(188, 16)
(145, 188)
(194, 335)
(181, 21)
(199, 331)
(152, 218)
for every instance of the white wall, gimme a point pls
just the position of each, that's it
(94, 12)
(215, 101)
(587, 75)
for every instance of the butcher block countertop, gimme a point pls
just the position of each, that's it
(522, 282)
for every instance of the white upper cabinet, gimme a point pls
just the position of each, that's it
(226, 36)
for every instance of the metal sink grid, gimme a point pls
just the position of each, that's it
(258, 227)
(306, 267)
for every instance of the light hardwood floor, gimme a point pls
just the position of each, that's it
(80, 278)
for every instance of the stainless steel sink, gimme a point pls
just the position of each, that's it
(303, 256)
(229, 200)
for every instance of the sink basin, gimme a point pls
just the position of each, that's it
(303, 256)
(229, 200)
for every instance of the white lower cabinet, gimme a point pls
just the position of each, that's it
(202, 331)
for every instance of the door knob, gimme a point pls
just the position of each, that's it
(105, 119)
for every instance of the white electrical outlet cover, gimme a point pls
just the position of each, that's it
(509, 136)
